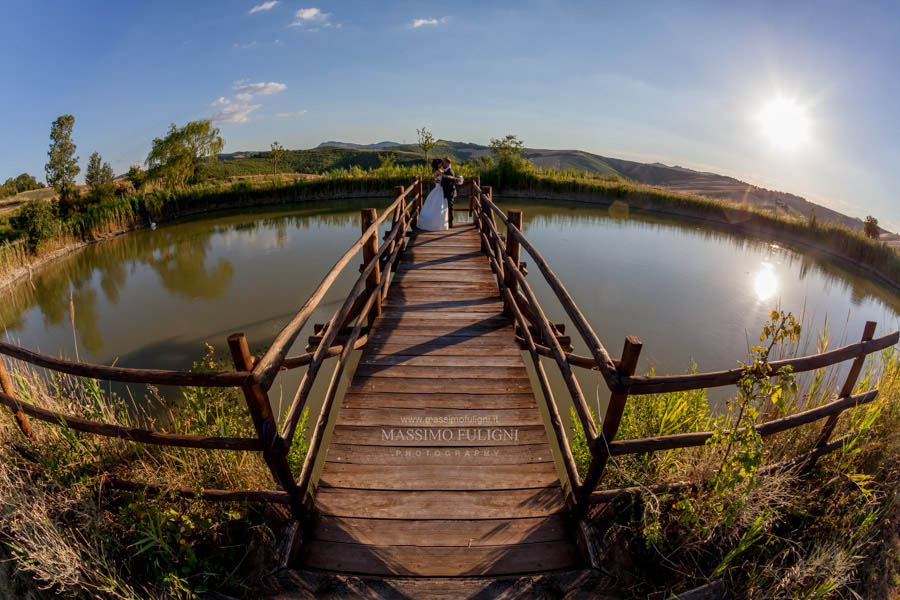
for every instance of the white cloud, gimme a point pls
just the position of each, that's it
(258, 89)
(432, 21)
(237, 108)
(311, 19)
(235, 112)
(264, 6)
(244, 46)
(291, 115)
(311, 14)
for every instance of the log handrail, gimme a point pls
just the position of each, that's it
(129, 433)
(619, 374)
(254, 377)
(605, 363)
(266, 368)
(504, 266)
(699, 438)
(315, 442)
(124, 374)
(347, 331)
(332, 331)
(641, 385)
(547, 391)
(301, 360)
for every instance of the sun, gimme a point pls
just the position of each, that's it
(784, 122)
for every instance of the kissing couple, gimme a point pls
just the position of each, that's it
(437, 212)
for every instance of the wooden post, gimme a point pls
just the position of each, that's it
(9, 390)
(627, 366)
(485, 210)
(846, 390)
(397, 216)
(514, 251)
(420, 199)
(370, 250)
(477, 180)
(274, 448)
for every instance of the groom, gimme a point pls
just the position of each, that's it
(448, 184)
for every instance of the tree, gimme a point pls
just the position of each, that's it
(62, 166)
(37, 220)
(176, 157)
(276, 152)
(387, 161)
(426, 142)
(26, 182)
(510, 162)
(8, 188)
(92, 175)
(871, 228)
(137, 176)
(507, 147)
(100, 176)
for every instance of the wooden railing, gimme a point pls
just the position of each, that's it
(540, 338)
(348, 329)
(254, 377)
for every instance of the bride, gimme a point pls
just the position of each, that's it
(433, 216)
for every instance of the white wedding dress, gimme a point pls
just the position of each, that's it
(434, 214)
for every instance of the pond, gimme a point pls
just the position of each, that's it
(694, 294)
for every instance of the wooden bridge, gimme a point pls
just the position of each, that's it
(439, 461)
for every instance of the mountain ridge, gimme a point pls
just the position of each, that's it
(336, 154)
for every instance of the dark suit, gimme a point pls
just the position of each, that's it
(448, 184)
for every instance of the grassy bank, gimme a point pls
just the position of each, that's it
(64, 531)
(837, 240)
(129, 210)
(830, 533)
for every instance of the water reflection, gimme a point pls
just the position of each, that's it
(765, 282)
(800, 261)
(181, 266)
(152, 298)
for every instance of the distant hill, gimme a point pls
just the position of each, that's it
(375, 146)
(336, 155)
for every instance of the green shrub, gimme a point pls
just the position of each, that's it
(39, 223)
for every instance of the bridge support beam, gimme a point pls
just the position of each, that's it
(513, 250)
(274, 448)
(627, 366)
(370, 251)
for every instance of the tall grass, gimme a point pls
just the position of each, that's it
(67, 533)
(825, 534)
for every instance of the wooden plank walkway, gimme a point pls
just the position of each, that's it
(439, 463)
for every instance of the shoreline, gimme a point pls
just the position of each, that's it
(750, 226)
(43, 259)
(744, 222)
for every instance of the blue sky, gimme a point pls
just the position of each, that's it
(681, 83)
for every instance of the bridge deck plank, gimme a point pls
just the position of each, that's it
(439, 463)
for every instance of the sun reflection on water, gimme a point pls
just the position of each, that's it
(765, 283)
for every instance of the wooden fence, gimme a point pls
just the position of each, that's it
(540, 337)
(348, 329)
(254, 377)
